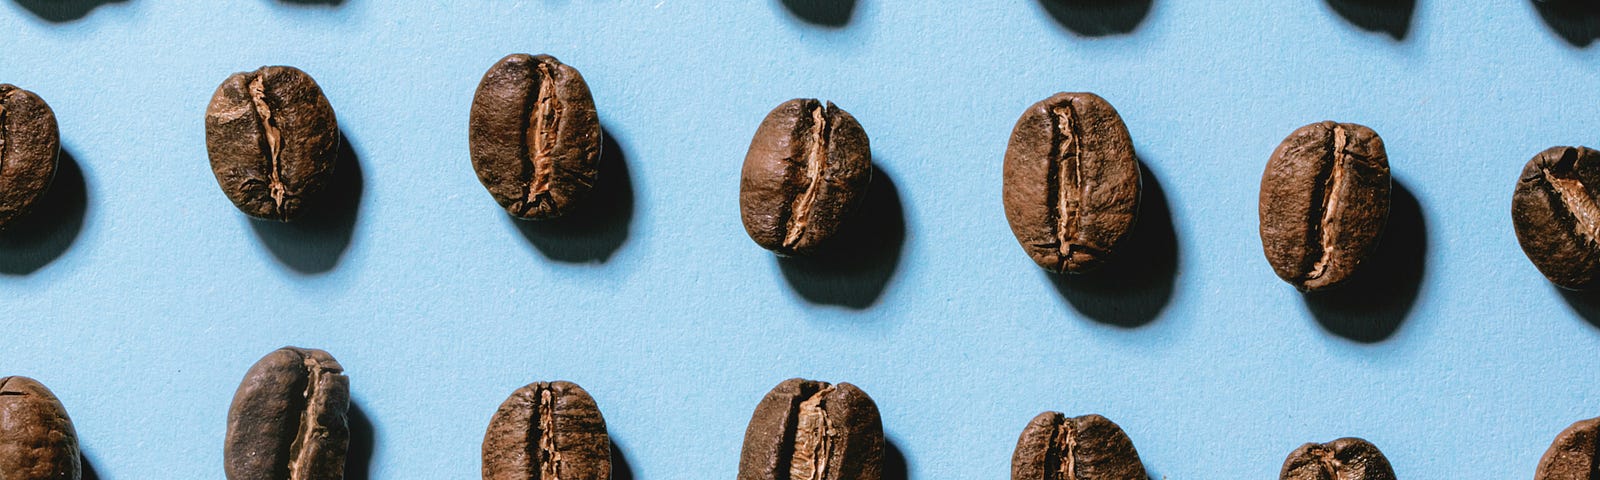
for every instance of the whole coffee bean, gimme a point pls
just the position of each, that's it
(1090, 447)
(812, 430)
(288, 419)
(1572, 455)
(535, 137)
(1324, 203)
(29, 145)
(547, 431)
(273, 141)
(37, 441)
(1342, 459)
(1071, 182)
(1556, 213)
(808, 168)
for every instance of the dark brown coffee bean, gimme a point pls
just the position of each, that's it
(1572, 455)
(535, 137)
(1556, 213)
(288, 419)
(1090, 447)
(1071, 182)
(37, 441)
(29, 144)
(811, 430)
(547, 431)
(1324, 203)
(1342, 459)
(273, 140)
(807, 169)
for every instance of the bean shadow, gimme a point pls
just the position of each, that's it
(620, 470)
(1388, 16)
(326, 3)
(61, 11)
(1098, 18)
(1576, 21)
(1585, 303)
(827, 13)
(87, 468)
(42, 235)
(1370, 307)
(314, 243)
(854, 268)
(1135, 284)
(358, 458)
(596, 229)
(894, 462)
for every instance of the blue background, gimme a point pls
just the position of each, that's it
(140, 295)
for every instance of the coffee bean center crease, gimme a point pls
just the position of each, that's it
(813, 439)
(1065, 177)
(1062, 454)
(543, 133)
(816, 154)
(273, 137)
(311, 429)
(1575, 195)
(548, 466)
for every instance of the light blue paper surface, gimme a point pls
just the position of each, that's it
(143, 307)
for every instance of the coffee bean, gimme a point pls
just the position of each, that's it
(273, 141)
(1572, 455)
(812, 430)
(1556, 214)
(1342, 459)
(37, 441)
(547, 431)
(29, 145)
(287, 420)
(1071, 186)
(1324, 203)
(807, 170)
(535, 137)
(1090, 447)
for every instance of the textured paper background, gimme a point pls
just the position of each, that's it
(141, 295)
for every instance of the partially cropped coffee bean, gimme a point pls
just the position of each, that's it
(547, 431)
(1324, 203)
(29, 145)
(1556, 212)
(287, 420)
(1091, 447)
(1572, 456)
(535, 136)
(807, 170)
(37, 441)
(812, 430)
(1071, 182)
(1342, 459)
(273, 141)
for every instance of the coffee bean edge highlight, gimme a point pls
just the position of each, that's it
(1324, 203)
(804, 177)
(37, 439)
(1573, 453)
(30, 146)
(1072, 183)
(1347, 458)
(289, 418)
(1055, 446)
(556, 419)
(273, 141)
(801, 415)
(1556, 217)
(534, 136)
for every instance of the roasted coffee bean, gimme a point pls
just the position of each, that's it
(1071, 187)
(29, 144)
(1572, 455)
(288, 419)
(547, 431)
(37, 441)
(811, 430)
(1342, 459)
(535, 137)
(273, 141)
(1090, 447)
(1324, 203)
(1556, 213)
(807, 170)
